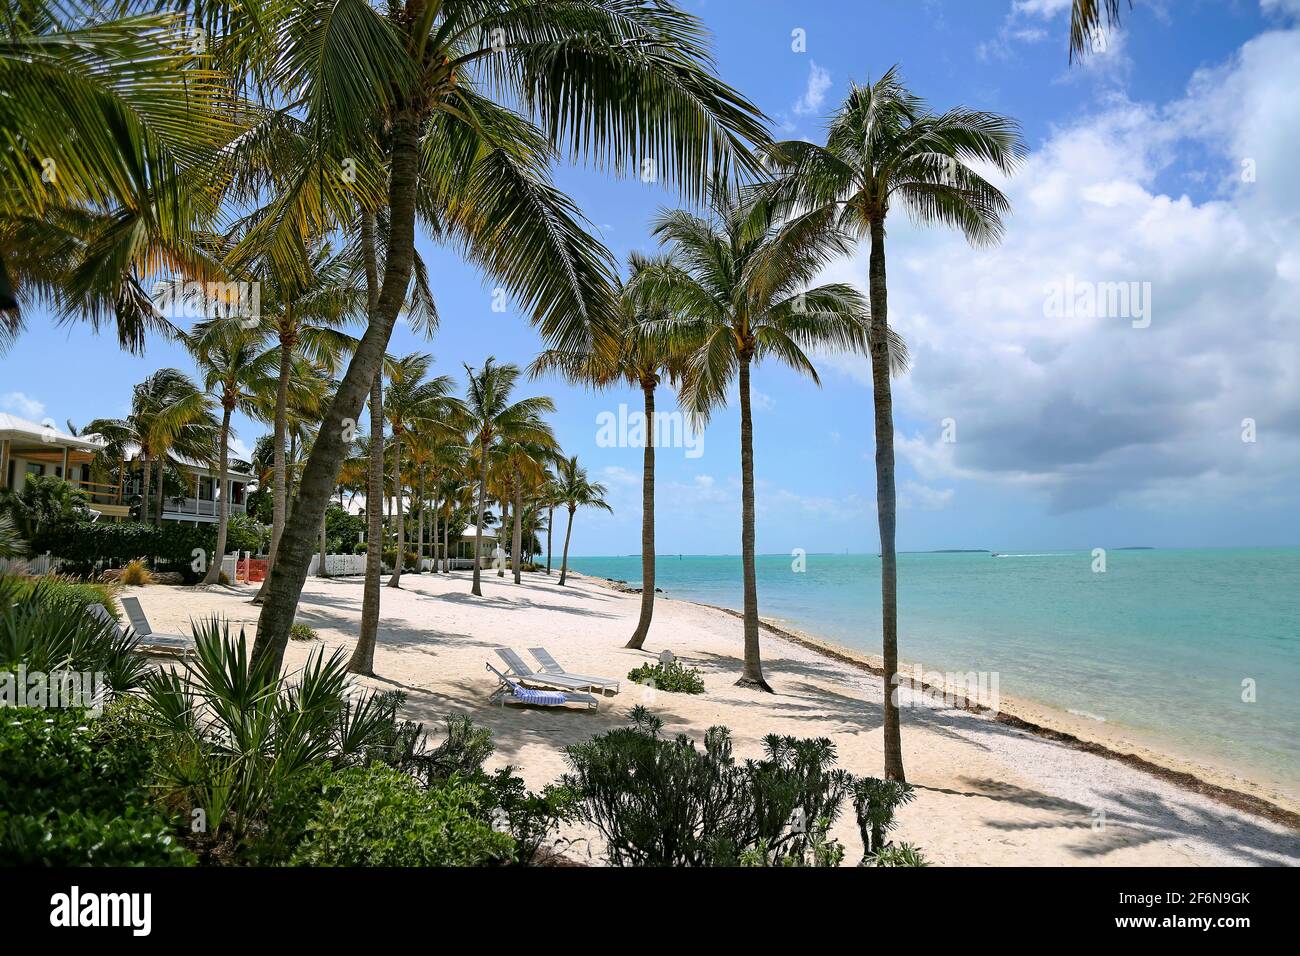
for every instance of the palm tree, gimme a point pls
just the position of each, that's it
(735, 290)
(493, 418)
(169, 416)
(628, 85)
(304, 314)
(524, 453)
(87, 226)
(410, 400)
(1085, 23)
(574, 490)
(640, 360)
(235, 370)
(885, 149)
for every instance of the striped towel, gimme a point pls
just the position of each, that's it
(547, 698)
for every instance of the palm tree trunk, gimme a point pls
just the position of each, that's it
(328, 450)
(223, 505)
(550, 520)
(637, 641)
(363, 655)
(885, 500)
(324, 544)
(395, 580)
(564, 561)
(752, 675)
(477, 587)
(446, 543)
(146, 475)
(516, 540)
(505, 522)
(278, 485)
(162, 491)
(419, 548)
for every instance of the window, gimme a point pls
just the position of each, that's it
(205, 489)
(236, 493)
(35, 468)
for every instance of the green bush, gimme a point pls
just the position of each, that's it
(409, 561)
(170, 547)
(672, 677)
(56, 588)
(904, 854)
(302, 632)
(74, 792)
(661, 802)
(378, 816)
(44, 626)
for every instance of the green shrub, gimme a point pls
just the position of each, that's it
(302, 632)
(904, 854)
(672, 676)
(74, 792)
(169, 547)
(45, 626)
(661, 802)
(378, 816)
(875, 802)
(409, 561)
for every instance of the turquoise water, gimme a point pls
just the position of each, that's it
(1160, 643)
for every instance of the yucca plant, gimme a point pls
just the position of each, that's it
(234, 733)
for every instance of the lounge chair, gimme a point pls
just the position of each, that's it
(509, 689)
(551, 667)
(150, 641)
(524, 674)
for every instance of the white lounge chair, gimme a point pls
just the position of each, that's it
(551, 667)
(521, 672)
(151, 641)
(508, 689)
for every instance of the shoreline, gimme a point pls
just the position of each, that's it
(1043, 720)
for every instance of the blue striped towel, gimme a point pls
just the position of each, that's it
(548, 698)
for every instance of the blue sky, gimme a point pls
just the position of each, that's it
(1070, 432)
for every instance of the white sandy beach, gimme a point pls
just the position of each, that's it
(987, 793)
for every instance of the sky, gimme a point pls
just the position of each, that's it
(1031, 418)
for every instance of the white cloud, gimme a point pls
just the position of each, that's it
(1087, 410)
(21, 404)
(913, 494)
(1281, 7)
(819, 81)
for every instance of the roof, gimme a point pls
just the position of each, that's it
(471, 531)
(13, 427)
(234, 466)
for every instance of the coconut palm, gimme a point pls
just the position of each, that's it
(523, 453)
(85, 227)
(408, 401)
(642, 361)
(626, 84)
(885, 150)
(735, 289)
(236, 370)
(1086, 26)
(574, 490)
(494, 419)
(169, 417)
(305, 315)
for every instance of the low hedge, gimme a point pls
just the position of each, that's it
(171, 547)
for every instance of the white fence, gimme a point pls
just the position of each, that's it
(339, 565)
(41, 564)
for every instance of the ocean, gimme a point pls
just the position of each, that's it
(1193, 651)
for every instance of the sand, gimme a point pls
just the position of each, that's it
(988, 792)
